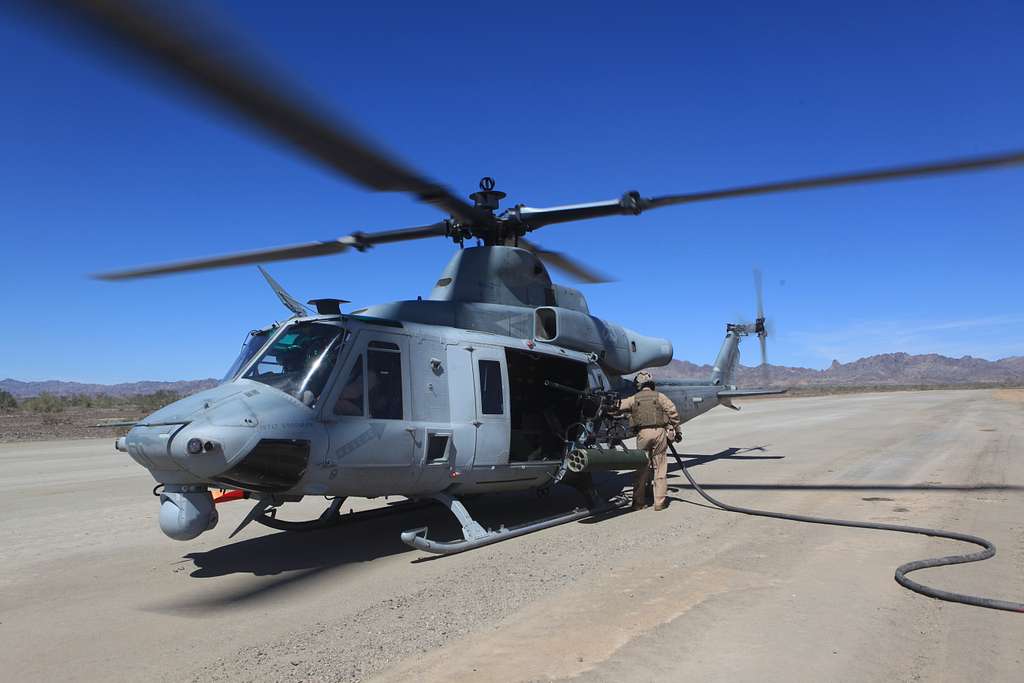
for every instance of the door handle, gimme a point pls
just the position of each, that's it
(412, 432)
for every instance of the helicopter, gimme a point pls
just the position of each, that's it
(500, 380)
(459, 394)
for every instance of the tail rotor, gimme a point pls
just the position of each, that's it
(760, 328)
(728, 356)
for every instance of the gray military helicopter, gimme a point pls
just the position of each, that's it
(500, 380)
(471, 391)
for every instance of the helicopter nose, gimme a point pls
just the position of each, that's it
(215, 440)
(197, 437)
(257, 440)
(248, 438)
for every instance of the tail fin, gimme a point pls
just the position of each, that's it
(724, 370)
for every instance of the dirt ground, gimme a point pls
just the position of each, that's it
(90, 589)
(71, 423)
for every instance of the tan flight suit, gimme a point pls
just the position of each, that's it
(655, 420)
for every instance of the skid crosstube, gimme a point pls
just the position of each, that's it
(475, 536)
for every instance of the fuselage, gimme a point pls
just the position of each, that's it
(375, 407)
(358, 406)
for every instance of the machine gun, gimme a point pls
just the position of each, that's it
(600, 447)
(601, 402)
(598, 411)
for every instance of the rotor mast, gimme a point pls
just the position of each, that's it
(499, 230)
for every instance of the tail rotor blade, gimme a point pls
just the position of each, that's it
(765, 370)
(761, 325)
(759, 291)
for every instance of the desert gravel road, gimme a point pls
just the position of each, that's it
(91, 590)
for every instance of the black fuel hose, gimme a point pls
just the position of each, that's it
(989, 549)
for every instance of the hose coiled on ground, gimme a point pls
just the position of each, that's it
(989, 549)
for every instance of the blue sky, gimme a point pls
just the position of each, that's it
(106, 168)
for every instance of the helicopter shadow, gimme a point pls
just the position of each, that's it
(284, 560)
(288, 551)
(618, 481)
(733, 453)
(694, 459)
(614, 483)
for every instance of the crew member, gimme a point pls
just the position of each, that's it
(654, 420)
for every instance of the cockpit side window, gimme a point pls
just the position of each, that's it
(384, 380)
(350, 399)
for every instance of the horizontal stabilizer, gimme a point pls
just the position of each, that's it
(739, 393)
(684, 383)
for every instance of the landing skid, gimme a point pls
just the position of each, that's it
(475, 536)
(266, 514)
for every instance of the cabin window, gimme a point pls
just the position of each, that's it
(384, 379)
(492, 401)
(350, 400)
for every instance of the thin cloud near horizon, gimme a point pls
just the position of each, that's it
(991, 338)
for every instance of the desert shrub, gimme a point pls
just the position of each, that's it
(107, 401)
(44, 403)
(79, 401)
(156, 400)
(8, 404)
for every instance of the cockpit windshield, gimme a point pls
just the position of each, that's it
(300, 360)
(254, 341)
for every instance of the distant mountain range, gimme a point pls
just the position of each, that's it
(895, 369)
(21, 389)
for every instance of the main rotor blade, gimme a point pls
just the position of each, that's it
(557, 259)
(188, 52)
(631, 203)
(358, 241)
(877, 175)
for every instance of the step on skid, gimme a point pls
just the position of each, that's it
(475, 536)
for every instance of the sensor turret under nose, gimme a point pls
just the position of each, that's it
(186, 511)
